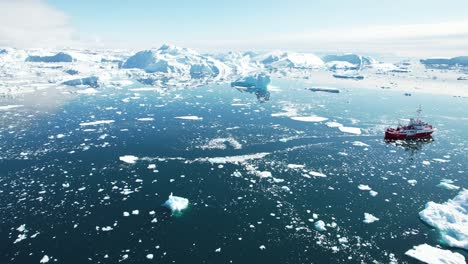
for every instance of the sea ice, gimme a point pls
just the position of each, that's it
(368, 218)
(176, 204)
(363, 187)
(189, 117)
(129, 159)
(433, 255)
(351, 130)
(317, 174)
(44, 259)
(309, 118)
(8, 107)
(450, 219)
(94, 123)
(320, 226)
(448, 185)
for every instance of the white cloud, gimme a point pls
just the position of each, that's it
(435, 39)
(33, 24)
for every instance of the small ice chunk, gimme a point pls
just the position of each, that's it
(351, 130)
(373, 193)
(176, 204)
(189, 117)
(150, 256)
(412, 182)
(368, 218)
(285, 188)
(145, 119)
(128, 159)
(135, 212)
(360, 144)
(262, 247)
(295, 166)
(44, 259)
(94, 123)
(333, 124)
(317, 174)
(447, 184)
(320, 226)
(264, 174)
(430, 254)
(152, 166)
(363, 187)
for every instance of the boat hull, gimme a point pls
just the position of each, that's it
(401, 136)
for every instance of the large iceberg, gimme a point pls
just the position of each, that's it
(450, 219)
(347, 61)
(175, 60)
(59, 57)
(435, 62)
(279, 59)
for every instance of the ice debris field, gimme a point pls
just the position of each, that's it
(168, 155)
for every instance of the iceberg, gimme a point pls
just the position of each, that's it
(351, 130)
(430, 254)
(441, 62)
(175, 60)
(176, 204)
(280, 59)
(88, 81)
(450, 219)
(259, 81)
(350, 61)
(320, 226)
(309, 118)
(369, 218)
(59, 57)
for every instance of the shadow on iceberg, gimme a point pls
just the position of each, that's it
(256, 84)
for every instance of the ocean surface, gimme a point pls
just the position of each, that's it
(259, 169)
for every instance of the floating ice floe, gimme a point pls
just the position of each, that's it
(88, 91)
(44, 259)
(320, 226)
(145, 119)
(296, 166)
(351, 130)
(450, 219)
(368, 218)
(333, 124)
(433, 255)
(234, 159)
(309, 118)
(448, 185)
(91, 81)
(363, 187)
(317, 174)
(59, 57)
(95, 123)
(176, 204)
(9, 107)
(189, 117)
(129, 159)
(220, 143)
(359, 144)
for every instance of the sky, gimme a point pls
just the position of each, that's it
(409, 27)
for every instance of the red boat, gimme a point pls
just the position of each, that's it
(415, 129)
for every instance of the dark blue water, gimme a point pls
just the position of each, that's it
(66, 189)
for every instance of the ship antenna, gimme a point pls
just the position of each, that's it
(419, 111)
